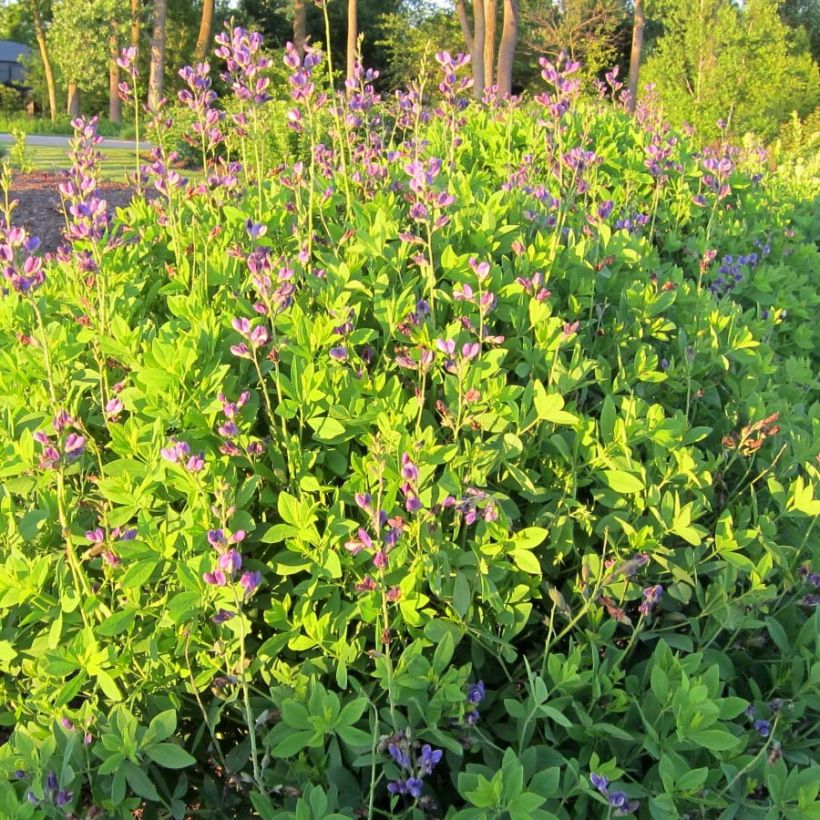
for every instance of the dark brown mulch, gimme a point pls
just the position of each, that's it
(39, 207)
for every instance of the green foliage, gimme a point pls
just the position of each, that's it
(10, 99)
(19, 154)
(529, 477)
(717, 61)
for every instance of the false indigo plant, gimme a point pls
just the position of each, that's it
(461, 452)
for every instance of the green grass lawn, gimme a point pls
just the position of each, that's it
(116, 165)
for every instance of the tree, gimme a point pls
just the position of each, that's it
(589, 31)
(114, 101)
(718, 61)
(474, 40)
(635, 53)
(490, 28)
(299, 26)
(352, 37)
(506, 48)
(156, 70)
(40, 34)
(206, 27)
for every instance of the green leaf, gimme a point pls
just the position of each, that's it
(716, 740)
(139, 573)
(462, 594)
(170, 756)
(293, 743)
(530, 537)
(326, 428)
(118, 622)
(161, 727)
(623, 482)
(138, 780)
(526, 561)
(548, 406)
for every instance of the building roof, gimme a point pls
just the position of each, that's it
(10, 52)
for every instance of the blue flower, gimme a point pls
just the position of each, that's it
(414, 786)
(429, 758)
(399, 755)
(476, 692)
(762, 727)
(599, 781)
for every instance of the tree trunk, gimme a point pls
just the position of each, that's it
(506, 49)
(206, 27)
(490, 27)
(352, 37)
(73, 107)
(464, 22)
(635, 56)
(40, 34)
(114, 101)
(135, 24)
(299, 26)
(157, 68)
(477, 55)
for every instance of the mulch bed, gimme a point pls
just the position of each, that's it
(39, 207)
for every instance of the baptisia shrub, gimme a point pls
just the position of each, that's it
(461, 465)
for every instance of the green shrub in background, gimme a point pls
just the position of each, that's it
(466, 466)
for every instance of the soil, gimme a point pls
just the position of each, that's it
(39, 207)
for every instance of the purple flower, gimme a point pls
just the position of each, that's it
(363, 501)
(221, 616)
(339, 353)
(409, 470)
(399, 754)
(63, 797)
(216, 578)
(250, 582)
(230, 562)
(113, 408)
(74, 446)
(195, 463)
(599, 781)
(429, 759)
(96, 536)
(762, 727)
(446, 346)
(476, 693)
(414, 786)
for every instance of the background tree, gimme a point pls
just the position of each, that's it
(590, 31)
(638, 23)
(411, 38)
(718, 61)
(299, 26)
(206, 27)
(35, 7)
(506, 48)
(156, 72)
(352, 37)
(490, 34)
